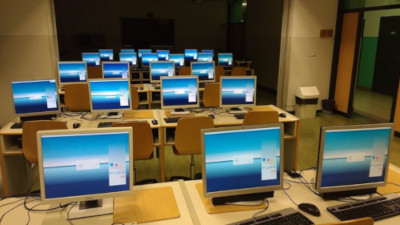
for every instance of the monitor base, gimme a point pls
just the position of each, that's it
(179, 111)
(342, 194)
(92, 208)
(246, 199)
(40, 117)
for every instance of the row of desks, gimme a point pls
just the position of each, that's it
(180, 202)
(17, 174)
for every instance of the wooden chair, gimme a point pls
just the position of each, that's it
(29, 130)
(94, 72)
(260, 117)
(187, 139)
(134, 97)
(360, 221)
(239, 71)
(185, 70)
(143, 143)
(219, 71)
(211, 95)
(77, 98)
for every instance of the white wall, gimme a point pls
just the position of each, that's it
(27, 47)
(308, 57)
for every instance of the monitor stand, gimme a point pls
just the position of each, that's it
(40, 117)
(246, 199)
(343, 194)
(92, 208)
(237, 110)
(179, 111)
(112, 114)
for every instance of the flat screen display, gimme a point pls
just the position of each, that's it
(129, 57)
(107, 95)
(149, 57)
(160, 69)
(225, 59)
(163, 54)
(116, 70)
(127, 50)
(208, 51)
(238, 91)
(36, 97)
(141, 51)
(204, 70)
(204, 57)
(72, 72)
(106, 54)
(190, 54)
(179, 92)
(179, 59)
(91, 58)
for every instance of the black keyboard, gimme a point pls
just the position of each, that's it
(17, 125)
(288, 216)
(171, 119)
(104, 124)
(239, 115)
(378, 208)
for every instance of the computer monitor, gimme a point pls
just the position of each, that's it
(127, 50)
(115, 70)
(190, 54)
(35, 99)
(109, 95)
(208, 51)
(238, 91)
(72, 72)
(163, 54)
(353, 159)
(179, 59)
(160, 69)
(147, 58)
(88, 165)
(179, 92)
(204, 57)
(129, 57)
(242, 163)
(225, 59)
(106, 54)
(204, 70)
(91, 58)
(141, 51)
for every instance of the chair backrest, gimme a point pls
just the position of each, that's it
(360, 221)
(76, 97)
(260, 117)
(239, 71)
(94, 72)
(134, 97)
(219, 71)
(29, 131)
(187, 134)
(142, 139)
(185, 70)
(211, 95)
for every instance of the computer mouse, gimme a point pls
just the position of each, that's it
(283, 115)
(212, 116)
(310, 209)
(154, 122)
(76, 125)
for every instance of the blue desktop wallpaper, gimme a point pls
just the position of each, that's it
(234, 90)
(221, 149)
(349, 156)
(128, 57)
(72, 72)
(116, 70)
(91, 59)
(106, 54)
(205, 57)
(208, 51)
(163, 54)
(141, 51)
(190, 54)
(35, 96)
(204, 70)
(179, 59)
(225, 59)
(170, 87)
(158, 69)
(63, 153)
(106, 94)
(149, 57)
(127, 50)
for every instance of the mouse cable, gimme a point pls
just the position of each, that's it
(284, 191)
(40, 210)
(261, 211)
(73, 204)
(10, 210)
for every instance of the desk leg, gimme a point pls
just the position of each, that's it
(162, 154)
(149, 100)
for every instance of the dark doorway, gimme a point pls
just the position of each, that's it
(387, 62)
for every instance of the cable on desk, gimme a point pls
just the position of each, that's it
(261, 211)
(41, 210)
(284, 191)
(392, 183)
(8, 211)
(73, 204)
(98, 116)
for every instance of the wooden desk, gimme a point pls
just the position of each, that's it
(223, 118)
(298, 192)
(16, 172)
(20, 214)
